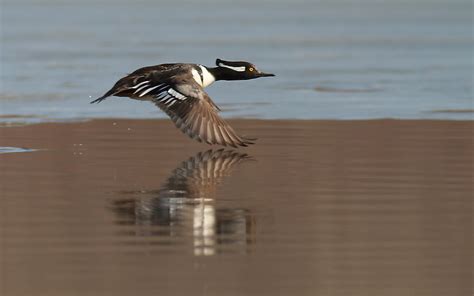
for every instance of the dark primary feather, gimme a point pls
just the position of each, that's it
(199, 120)
(182, 99)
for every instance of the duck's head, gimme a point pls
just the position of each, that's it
(238, 70)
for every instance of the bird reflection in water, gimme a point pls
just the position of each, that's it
(186, 203)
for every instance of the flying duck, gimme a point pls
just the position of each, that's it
(178, 90)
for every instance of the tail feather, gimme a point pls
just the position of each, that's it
(105, 96)
(120, 87)
(99, 99)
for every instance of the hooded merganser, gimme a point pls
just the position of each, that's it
(177, 89)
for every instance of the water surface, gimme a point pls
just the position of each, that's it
(120, 207)
(333, 59)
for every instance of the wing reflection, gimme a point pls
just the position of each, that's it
(185, 205)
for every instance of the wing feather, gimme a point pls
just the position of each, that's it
(194, 113)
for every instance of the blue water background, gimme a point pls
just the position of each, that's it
(333, 59)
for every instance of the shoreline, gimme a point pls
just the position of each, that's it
(15, 123)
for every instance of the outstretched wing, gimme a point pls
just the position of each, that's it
(183, 99)
(195, 114)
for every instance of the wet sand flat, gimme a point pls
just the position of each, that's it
(133, 207)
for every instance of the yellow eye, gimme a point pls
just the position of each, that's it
(250, 69)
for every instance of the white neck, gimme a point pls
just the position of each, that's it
(207, 77)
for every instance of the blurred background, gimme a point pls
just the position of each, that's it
(335, 59)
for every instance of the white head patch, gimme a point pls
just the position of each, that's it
(238, 69)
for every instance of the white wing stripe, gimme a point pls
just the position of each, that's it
(169, 99)
(148, 90)
(140, 89)
(136, 86)
(176, 94)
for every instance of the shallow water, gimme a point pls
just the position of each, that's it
(333, 59)
(123, 207)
